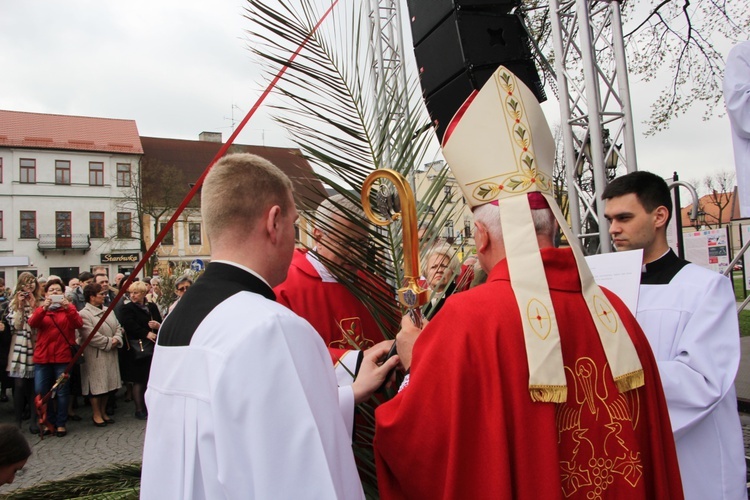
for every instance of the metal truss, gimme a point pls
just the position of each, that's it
(595, 110)
(388, 72)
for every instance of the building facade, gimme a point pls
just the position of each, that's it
(60, 181)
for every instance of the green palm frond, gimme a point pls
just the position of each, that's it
(121, 481)
(347, 127)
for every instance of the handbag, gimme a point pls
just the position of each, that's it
(141, 350)
(73, 347)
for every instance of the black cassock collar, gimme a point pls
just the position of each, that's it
(662, 270)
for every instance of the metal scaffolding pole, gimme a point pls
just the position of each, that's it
(595, 108)
(388, 73)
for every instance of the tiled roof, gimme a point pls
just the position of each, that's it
(192, 158)
(78, 133)
(710, 206)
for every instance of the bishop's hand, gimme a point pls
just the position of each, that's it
(406, 338)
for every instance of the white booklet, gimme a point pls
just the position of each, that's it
(619, 272)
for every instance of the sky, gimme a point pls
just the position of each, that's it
(182, 67)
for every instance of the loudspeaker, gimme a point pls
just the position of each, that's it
(460, 54)
(445, 101)
(425, 15)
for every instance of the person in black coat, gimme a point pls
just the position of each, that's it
(141, 321)
(5, 336)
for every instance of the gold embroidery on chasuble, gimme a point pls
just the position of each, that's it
(589, 464)
(352, 335)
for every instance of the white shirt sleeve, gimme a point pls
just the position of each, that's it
(706, 355)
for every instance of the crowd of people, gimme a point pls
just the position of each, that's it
(43, 322)
(533, 382)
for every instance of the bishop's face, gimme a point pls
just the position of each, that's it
(342, 242)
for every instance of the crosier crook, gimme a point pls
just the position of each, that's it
(40, 402)
(411, 295)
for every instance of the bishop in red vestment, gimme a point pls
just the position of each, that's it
(465, 427)
(537, 384)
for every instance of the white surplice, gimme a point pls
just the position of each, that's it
(254, 411)
(691, 324)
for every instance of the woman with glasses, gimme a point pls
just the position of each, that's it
(56, 321)
(100, 374)
(141, 320)
(180, 287)
(21, 355)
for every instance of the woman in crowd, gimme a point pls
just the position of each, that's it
(5, 334)
(439, 267)
(21, 355)
(14, 451)
(180, 287)
(56, 321)
(100, 374)
(141, 321)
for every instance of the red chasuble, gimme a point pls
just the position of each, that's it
(466, 427)
(329, 307)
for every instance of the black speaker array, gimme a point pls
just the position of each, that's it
(460, 43)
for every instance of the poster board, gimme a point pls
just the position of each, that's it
(708, 248)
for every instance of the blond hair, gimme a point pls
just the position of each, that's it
(138, 286)
(446, 251)
(239, 189)
(25, 278)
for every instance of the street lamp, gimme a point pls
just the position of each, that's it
(700, 219)
(611, 158)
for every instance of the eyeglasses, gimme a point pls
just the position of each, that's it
(30, 287)
(182, 288)
(102, 294)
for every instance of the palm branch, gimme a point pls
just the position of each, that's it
(121, 481)
(333, 110)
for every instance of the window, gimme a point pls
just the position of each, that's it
(1, 170)
(62, 172)
(124, 228)
(194, 233)
(28, 171)
(96, 173)
(96, 224)
(2, 225)
(123, 175)
(449, 234)
(169, 237)
(28, 224)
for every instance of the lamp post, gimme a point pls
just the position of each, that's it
(700, 220)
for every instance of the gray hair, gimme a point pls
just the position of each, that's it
(331, 206)
(489, 216)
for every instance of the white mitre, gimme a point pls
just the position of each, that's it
(501, 151)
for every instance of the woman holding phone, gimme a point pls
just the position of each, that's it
(21, 355)
(56, 321)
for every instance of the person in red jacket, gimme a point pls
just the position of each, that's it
(56, 321)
